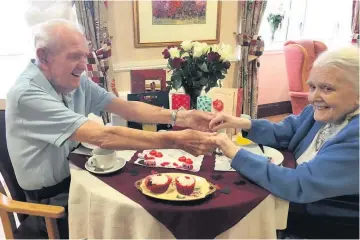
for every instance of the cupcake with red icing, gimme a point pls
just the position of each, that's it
(158, 183)
(185, 184)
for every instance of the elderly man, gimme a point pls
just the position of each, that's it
(46, 116)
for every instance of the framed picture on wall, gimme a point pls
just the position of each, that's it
(162, 23)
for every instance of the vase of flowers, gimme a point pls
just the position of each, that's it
(196, 65)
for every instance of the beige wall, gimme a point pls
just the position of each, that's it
(126, 56)
(273, 85)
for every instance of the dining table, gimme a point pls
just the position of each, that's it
(110, 206)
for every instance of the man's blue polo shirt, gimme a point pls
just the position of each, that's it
(39, 122)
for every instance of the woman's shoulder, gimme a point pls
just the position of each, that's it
(350, 133)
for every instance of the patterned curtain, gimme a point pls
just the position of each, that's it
(355, 22)
(251, 13)
(93, 16)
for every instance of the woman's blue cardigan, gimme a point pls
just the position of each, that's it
(334, 171)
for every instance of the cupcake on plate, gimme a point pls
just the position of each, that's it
(185, 184)
(158, 183)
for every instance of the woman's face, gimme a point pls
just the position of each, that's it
(331, 94)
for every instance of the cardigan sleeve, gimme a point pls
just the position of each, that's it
(333, 172)
(277, 135)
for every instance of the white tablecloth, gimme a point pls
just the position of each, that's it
(96, 210)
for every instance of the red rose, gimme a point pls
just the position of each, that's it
(227, 65)
(176, 62)
(166, 54)
(213, 56)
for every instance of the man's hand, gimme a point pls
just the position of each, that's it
(223, 121)
(195, 119)
(226, 145)
(195, 142)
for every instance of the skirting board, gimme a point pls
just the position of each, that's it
(272, 109)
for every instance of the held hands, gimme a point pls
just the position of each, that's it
(223, 121)
(195, 142)
(194, 119)
(226, 145)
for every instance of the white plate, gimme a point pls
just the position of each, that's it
(277, 157)
(118, 165)
(88, 145)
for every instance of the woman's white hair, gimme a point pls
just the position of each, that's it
(46, 34)
(345, 59)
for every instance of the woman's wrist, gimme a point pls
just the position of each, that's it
(234, 150)
(244, 124)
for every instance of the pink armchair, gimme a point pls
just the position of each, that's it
(299, 58)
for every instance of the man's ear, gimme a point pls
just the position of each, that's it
(42, 55)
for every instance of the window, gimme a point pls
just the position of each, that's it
(15, 45)
(328, 21)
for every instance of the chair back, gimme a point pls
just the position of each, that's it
(299, 58)
(7, 170)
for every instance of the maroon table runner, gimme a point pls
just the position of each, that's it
(205, 218)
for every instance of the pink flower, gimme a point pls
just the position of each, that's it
(166, 54)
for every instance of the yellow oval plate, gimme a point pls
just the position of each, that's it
(202, 189)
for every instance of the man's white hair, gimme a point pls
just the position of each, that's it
(345, 59)
(46, 34)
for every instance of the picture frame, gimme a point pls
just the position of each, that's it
(142, 80)
(152, 28)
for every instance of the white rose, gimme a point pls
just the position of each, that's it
(200, 48)
(174, 52)
(225, 52)
(206, 48)
(198, 51)
(215, 48)
(187, 45)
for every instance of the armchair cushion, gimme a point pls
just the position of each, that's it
(299, 94)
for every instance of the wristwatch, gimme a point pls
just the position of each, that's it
(173, 117)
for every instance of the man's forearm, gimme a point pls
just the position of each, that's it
(119, 138)
(140, 112)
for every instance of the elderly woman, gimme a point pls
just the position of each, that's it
(324, 138)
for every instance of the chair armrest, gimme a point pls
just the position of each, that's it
(299, 94)
(34, 209)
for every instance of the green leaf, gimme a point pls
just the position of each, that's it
(212, 78)
(207, 89)
(204, 67)
(203, 81)
(219, 66)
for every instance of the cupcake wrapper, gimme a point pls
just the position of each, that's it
(158, 188)
(185, 190)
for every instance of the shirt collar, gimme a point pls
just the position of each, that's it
(39, 78)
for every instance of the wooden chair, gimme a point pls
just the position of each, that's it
(13, 200)
(50, 213)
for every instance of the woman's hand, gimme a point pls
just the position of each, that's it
(226, 145)
(222, 120)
